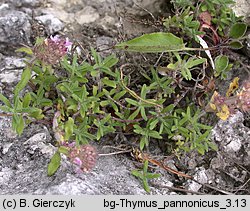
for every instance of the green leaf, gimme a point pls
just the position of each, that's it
(108, 82)
(69, 128)
(18, 123)
(132, 102)
(137, 173)
(238, 30)
(153, 124)
(63, 150)
(118, 95)
(145, 167)
(26, 100)
(24, 80)
(152, 176)
(143, 113)
(110, 61)
(6, 109)
(134, 114)
(54, 164)
(96, 56)
(143, 142)
(194, 62)
(236, 45)
(5, 100)
(145, 185)
(154, 42)
(155, 134)
(221, 63)
(26, 50)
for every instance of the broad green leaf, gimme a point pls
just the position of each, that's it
(24, 80)
(155, 134)
(194, 62)
(144, 91)
(96, 56)
(132, 102)
(143, 113)
(221, 63)
(154, 42)
(168, 108)
(26, 100)
(153, 124)
(238, 30)
(236, 45)
(95, 90)
(108, 82)
(134, 114)
(54, 164)
(143, 142)
(110, 61)
(36, 114)
(69, 128)
(118, 95)
(18, 123)
(5, 100)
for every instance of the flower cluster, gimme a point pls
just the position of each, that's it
(52, 49)
(219, 106)
(225, 106)
(84, 157)
(243, 101)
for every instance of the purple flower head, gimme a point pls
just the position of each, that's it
(84, 157)
(77, 161)
(68, 44)
(52, 49)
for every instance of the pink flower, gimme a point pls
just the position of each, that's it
(52, 49)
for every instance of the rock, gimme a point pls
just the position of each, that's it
(201, 177)
(26, 3)
(52, 23)
(11, 69)
(242, 8)
(24, 170)
(15, 29)
(233, 138)
(87, 15)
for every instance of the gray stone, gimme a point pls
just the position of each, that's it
(233, 138)
(87, 15)
(15, 28)
(242, 8)
(199, 176)
(11, 69)
(51, 22)
(26, 3)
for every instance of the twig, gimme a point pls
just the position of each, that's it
(2, 114)
(240, 188)
(177, 189)
(115, 153)
(214, 188)
(145, 10)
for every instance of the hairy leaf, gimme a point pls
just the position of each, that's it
(154, 42)
(54, 164)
